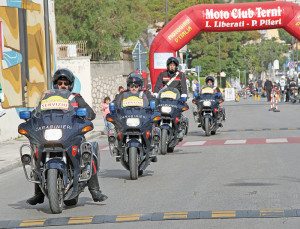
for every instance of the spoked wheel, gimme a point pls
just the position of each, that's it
(164, 142)
(133, 163)
(55, 191)
(206, 124)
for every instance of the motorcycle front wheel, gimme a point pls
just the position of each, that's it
(133, 163)
(206, 125)
(164, 142)
(55, 192)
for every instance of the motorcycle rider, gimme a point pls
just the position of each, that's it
(64, 79)
(134, 88)
(209, 82)
(173, 78)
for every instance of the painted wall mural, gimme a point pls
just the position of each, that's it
(23, 65)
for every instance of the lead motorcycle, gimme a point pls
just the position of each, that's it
(208, 113)
(173, 125)
(58, 158)
(135, 140)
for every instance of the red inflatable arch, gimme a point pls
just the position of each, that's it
(220, 18)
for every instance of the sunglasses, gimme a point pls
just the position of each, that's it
(134, 86)
(66, 83)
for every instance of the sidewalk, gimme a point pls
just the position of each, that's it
(10, 154)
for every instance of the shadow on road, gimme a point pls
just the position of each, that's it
(121, 174)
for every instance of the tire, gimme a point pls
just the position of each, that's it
(133, 163)
(55, 199)
(213, 132)
(206, 124)
(71, 202)
(164, 142)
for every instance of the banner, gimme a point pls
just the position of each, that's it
(229, 94)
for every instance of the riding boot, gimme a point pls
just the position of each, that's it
(38, 197)
(93, 185)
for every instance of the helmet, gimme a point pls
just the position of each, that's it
(209, 78)
(63, 73)
(172, 60)
(134, 78)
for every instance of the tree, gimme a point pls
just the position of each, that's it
(102, 23)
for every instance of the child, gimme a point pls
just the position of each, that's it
(105, 111)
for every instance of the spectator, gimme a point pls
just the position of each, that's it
(120, 90)
(268, 88)
(105, 111)
(195, 87)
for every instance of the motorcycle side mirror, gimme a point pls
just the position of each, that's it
(25, 115)
(152, 104)
(81, 112)
(112, 107)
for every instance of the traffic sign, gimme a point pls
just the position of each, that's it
(139, 55)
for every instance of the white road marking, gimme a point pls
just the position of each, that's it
(196, 143)
(276, 140)
(233, 142)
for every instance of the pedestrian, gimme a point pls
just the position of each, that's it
(268, 88)
(194, 87)
(188, 84)
(105, 111)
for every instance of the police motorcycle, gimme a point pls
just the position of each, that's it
(135, 140)
(208, 113)
(172, 124)
(58, 158)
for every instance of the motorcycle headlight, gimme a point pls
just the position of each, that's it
(53, 134)
(207, 103)
(166, 110)
(132, 122)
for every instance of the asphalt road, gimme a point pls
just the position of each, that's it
(251, 164)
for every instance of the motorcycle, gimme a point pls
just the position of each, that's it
(173, 125)
(135, 140)
(58, 158)
(209, 113)
(294, 94)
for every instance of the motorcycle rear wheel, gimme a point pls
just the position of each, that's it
(206, 125)
(54, 186)
(164, 142)
(133, 163)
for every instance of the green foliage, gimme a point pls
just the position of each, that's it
(101, 23)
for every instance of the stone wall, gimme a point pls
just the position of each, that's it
(106, 78)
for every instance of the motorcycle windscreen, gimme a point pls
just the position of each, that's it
(169, 93)
(207, 90)
(134, 101)
(55, 100)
